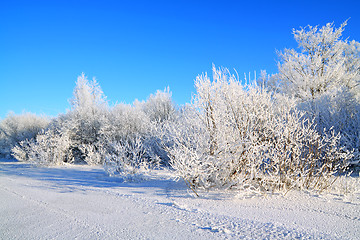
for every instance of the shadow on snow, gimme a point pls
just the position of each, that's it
(73, 177)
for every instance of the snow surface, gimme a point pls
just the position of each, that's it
(82, 202)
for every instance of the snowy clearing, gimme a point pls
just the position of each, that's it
(82, 202)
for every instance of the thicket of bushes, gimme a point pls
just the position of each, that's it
(123, 137)
(299, 128)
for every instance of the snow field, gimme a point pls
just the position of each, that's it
(82, 202)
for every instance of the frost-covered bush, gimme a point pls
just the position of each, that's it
(122, 135)
(47, 148)
(132, 134)
(245, 137)
(129, 159)
(340, 111)
(160, 110)
(16, 128)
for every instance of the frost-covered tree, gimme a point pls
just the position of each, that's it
(325, 63)
(324, 77)
(88, 112)
(74, 136)
(16, 128)
(87, 95)
(160, 107)
(126, 121)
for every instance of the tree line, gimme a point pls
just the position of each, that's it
(299, 128)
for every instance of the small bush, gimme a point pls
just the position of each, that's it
(129, 159)
(47, 148)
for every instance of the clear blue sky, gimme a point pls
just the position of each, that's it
(134, 47)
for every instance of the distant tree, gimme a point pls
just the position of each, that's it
(160, 107)
(83, 123)
(74, 136)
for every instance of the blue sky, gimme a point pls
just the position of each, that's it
(134, 48)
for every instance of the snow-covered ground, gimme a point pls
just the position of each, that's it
(82, 202)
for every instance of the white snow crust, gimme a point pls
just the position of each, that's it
(82, 202)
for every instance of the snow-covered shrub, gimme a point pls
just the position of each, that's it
(121, 139)
(16, 128)
(243, 136)
(129, 159)
(187, 142)
(340, 111)
(84, 134)
(141, 120)
(160, 110)
(130, 136)
(82, 124)
(47, 148)
(347, 187)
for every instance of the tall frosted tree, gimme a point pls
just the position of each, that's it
(324, 63)
(87, 95)
(324, 77)
(88, 113)
(74, 136)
